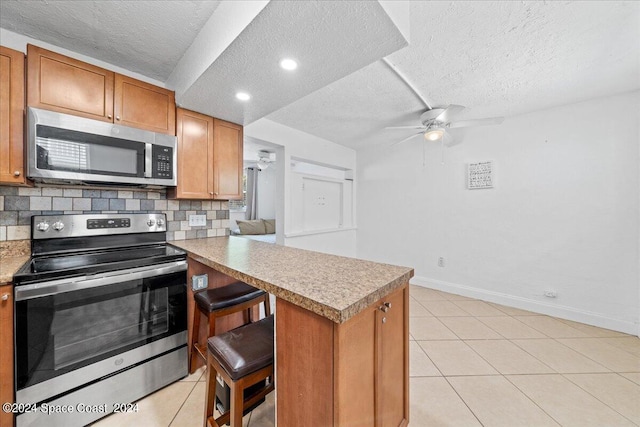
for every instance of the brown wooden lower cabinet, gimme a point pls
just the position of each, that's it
(6, 352)
(351, 374)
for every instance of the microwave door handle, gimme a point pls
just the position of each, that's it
(148, 153)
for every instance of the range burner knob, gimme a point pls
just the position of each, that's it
(150, 222)
(160, 222)
(42, 226)
(58, 226)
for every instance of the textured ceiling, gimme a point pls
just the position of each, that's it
(329, 40)
(147, 37)
(496, 58)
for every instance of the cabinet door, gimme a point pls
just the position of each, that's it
(59, 83)
(227, 160)
(11, 117)
(6, 355)
(392, 342)
(143, 105)
(195, 146)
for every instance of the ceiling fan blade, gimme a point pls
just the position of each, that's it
(449, 113)
(454, 137)
(406, 139)
(479, 122)
(405, 127)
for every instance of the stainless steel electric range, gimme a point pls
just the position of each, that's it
(100, 317)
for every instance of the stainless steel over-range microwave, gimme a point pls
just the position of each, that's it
(69, 149)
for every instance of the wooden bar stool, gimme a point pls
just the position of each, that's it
(242, 357)
(218, 302)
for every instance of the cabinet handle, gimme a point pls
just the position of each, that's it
(384, 308)
(5, 297)
(384, 320)
(16, 173)
(387, 304)
(109, 116)
(117, 117)
(211, 192)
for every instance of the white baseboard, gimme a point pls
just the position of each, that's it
(563, 312)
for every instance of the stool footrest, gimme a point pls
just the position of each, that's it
(249, 402)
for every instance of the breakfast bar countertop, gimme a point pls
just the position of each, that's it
(334, 287)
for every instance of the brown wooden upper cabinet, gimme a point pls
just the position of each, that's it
(12, 160)
(57, 82)
(209, 158)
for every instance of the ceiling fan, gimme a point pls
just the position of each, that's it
(437, 121)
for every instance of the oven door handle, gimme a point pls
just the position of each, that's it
(53, 287)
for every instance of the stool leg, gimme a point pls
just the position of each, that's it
(210, 396)
(195, 333)
(267, 306)
(237, 403)
(212, 324)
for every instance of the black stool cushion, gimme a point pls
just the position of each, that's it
(244, 350)
(215, 299)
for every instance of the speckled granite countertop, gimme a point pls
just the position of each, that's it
(9, 265)
(332, 286)
(13, 255)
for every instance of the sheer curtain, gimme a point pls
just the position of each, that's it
(252, 194)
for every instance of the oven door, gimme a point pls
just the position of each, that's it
(72, 333)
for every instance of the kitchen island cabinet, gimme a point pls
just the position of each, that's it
(342, 331)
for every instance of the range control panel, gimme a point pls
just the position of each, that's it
(108, 223)
(76, 225)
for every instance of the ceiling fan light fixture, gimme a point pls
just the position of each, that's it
(434, 134)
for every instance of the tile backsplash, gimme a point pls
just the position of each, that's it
(18, 205)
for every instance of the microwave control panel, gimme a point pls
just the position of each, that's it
(162, 162)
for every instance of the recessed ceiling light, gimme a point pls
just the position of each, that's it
(288, 64)
(243, 96)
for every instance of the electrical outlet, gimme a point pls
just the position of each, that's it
(550, 294)
(441, 262)
(199, 282)
(197, 220)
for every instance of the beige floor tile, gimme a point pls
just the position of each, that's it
(512, 311)
(456, 297)
(479, 308)
(417, 310)
(593, 331)
(429, 328)
(192, 411)
(196, 376)
(435, 404)
(419, 363)
(265, 414)
(567, 403)
(426, 294)
(456, 358)
(443, 308)
(632, 376)
(156, 410)
(551, 327)
(510, 327)
(497, 402)
(559, 357)
(508, 358)
(628, 344)
(469, 328)
(605, 354)
(619, 393)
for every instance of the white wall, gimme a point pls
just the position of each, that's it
(563, 216)
(300, 145)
